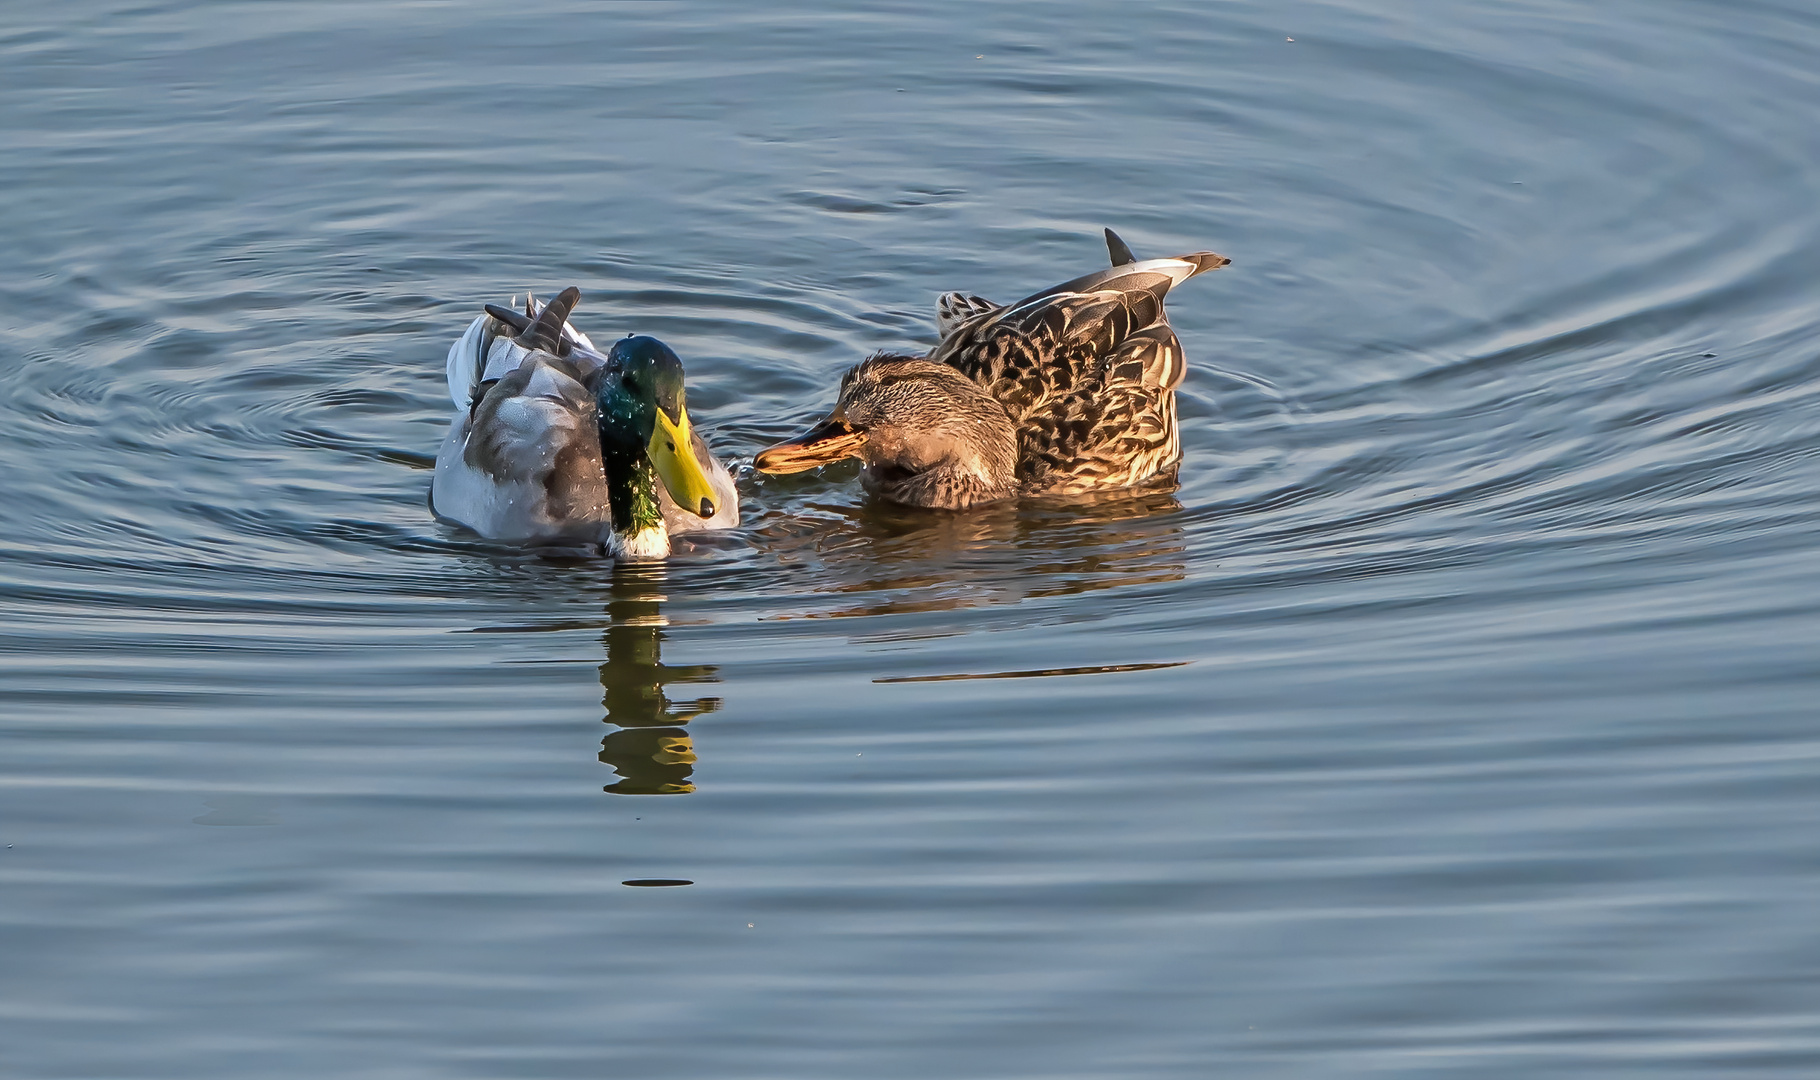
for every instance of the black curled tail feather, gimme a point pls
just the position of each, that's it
(546, 333)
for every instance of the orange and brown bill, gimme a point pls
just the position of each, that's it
(830, 441)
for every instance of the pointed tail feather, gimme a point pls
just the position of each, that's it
(1155, 275)
(1122, 256)
(1205, 261)
(517, 321)
(546, 333)
(568, 328)
(1118, 249)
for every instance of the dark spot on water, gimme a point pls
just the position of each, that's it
(656, 882)
(1036, 673)
(840, 204)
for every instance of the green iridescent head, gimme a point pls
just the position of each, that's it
(644, 428)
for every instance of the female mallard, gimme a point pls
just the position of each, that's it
(555, 443)
(1068, 391)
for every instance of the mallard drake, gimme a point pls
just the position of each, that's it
(1068, 391)
(554, 442)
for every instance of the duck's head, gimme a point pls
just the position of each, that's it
(643, 419)
(928, 435)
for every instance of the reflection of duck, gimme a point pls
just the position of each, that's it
(557, 443)
(651, 750)
(884, 560)
(1071, 390)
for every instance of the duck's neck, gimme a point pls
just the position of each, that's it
(638, 518)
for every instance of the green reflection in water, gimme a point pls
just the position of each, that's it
(651, 750)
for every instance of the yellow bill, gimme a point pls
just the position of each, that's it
(674, 459)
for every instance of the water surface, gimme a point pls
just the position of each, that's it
(1454, 717)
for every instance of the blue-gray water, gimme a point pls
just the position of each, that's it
(1456, 718)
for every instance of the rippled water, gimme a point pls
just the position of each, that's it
(1455, 717)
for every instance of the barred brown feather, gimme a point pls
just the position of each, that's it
(1068, 391)
(1086, 370)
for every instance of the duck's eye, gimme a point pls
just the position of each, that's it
(628, 382)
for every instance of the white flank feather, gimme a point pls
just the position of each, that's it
(465, 363)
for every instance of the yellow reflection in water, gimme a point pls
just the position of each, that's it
(879, 563)
(651, 750)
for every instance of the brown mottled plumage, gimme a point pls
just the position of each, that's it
(1085, 373)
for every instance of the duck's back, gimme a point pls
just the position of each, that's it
(1086, 369)
(525, 463)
